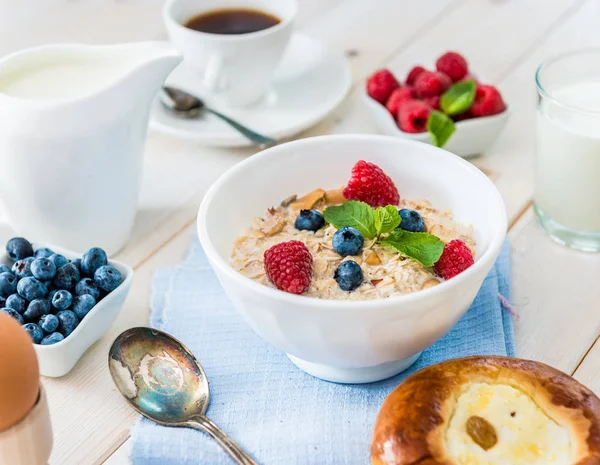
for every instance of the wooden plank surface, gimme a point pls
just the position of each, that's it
(503, 40)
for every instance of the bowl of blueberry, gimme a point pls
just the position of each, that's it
(65, 301)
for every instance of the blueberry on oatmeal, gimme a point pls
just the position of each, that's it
(412, 221)
(309, 220)
(347, 241)
(348, 275)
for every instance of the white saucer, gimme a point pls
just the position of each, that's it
(308, 84)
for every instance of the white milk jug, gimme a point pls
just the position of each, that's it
(73, 121)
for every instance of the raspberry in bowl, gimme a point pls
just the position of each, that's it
(349, 335)
(445, 106)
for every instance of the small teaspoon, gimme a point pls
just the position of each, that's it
(185, 105)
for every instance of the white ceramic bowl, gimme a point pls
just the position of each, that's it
(351, 341)
(58, 359)
(472, 136)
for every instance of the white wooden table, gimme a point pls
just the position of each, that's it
(555, 292)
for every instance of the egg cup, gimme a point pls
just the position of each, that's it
(29, 442)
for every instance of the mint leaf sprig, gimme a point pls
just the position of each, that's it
(422, 247)
(456, 100)
(440, 127)
(459, 98)
(372, 223)
(359, 215)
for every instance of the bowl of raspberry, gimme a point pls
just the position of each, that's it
(447, 107)
(357, 252)
(65, 301)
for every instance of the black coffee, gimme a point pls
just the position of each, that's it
(232, 21)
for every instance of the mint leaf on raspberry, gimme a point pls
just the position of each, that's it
(458, 98)
(386, 219)
(440, 127)
(422, 247)
(356, 214)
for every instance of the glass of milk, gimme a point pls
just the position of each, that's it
(567, 172)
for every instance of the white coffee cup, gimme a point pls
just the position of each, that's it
(233, 69)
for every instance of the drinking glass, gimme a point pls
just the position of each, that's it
(567, 171)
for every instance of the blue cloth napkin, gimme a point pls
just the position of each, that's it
(277, 413)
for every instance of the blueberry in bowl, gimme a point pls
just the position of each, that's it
(348, 241)
(348, 275)
(309, 220)
(18, 248)
(43, 269)
(61, 299)
(411, 220)
(58, 299)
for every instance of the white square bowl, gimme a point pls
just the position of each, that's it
(472, 136)
(58, 359)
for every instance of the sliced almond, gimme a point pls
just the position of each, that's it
(273, 225)
(288, 200)
(335, 196)
(375, 282)
(355, 258)
(319, 265)
(430, 283)
(443, 232)
(239, 241)
(372, 258)
(482, 432)
(309, 200)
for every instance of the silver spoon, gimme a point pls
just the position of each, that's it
(162, 380)
(186, 105)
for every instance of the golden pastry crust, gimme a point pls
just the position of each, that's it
(412, 421)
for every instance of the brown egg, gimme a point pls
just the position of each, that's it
(19, 373)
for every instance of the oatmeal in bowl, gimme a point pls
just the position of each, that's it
(352, 255)
(352, 280)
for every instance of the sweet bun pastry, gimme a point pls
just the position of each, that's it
(488, 411)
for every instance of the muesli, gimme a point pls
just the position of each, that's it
(357, 242)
